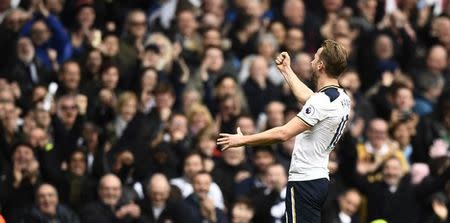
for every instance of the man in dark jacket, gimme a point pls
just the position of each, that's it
(109, 208)
(394, 197)
(229, 171)
(67, 126)
(157, 207)
(76, 188)
(259, 88)
(200, 205)
(48, 208)
(270, 203)
(28, 71)
(19, 182)
(344, 210)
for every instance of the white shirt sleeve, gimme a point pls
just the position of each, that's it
(314, 110)
(216, 195)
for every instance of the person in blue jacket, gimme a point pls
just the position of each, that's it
(48, 34)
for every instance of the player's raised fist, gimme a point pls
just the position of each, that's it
(283, 62)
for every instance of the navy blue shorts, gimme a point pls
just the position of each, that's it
(305, 199)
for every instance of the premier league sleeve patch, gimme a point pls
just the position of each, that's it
(309, 110)
(307, 115)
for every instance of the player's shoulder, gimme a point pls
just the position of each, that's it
(328, 95)
(331, 93)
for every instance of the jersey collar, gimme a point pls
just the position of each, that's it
(328, 86)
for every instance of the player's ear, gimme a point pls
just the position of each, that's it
(321, 65)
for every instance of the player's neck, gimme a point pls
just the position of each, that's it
(324, 80)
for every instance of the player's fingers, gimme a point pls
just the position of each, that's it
(225, 148)
(222, 139)
(284, 54)
(222, 143)
(224, 134)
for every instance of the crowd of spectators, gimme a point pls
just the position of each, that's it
(110, 109)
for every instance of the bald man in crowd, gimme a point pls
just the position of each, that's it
(159, 207)
(108, 208)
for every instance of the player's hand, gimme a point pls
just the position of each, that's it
(283, 62)
(230, 140)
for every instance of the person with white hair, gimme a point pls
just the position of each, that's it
(158, 206)
(267, 46)
(28, 71)
(109, 208)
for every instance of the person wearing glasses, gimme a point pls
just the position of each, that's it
(67, 126)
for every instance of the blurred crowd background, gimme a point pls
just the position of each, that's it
(110, 109)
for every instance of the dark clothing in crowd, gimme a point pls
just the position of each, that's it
(331, 214)
(63, 214)
(225, 175)
(175, 211)
(260, 97)
(97, 212)
(16, 199)
(398, 203)
(194, 209)
(66, 140)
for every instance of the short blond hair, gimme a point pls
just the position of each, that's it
(334, 57)
(199, 109)
(124, 97)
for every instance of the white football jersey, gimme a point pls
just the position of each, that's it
(327, 113)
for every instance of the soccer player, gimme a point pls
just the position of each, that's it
(317, 127)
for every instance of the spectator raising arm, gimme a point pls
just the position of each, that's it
(58, 39)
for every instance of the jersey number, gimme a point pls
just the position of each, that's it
(338, 132)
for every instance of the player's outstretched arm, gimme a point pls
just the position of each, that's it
(278, 134)
(298, 88)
